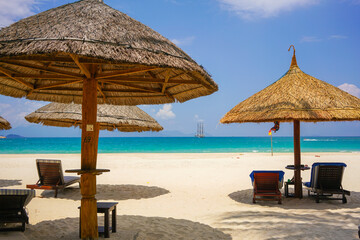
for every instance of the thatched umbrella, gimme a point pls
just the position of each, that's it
(4, 125)
(296, 97)
(110, 117)
(87, 52)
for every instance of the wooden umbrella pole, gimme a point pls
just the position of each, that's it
(297, 159)
(89, 144)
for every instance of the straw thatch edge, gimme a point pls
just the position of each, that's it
(4, 124)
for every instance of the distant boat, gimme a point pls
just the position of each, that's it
(2, 137)
(200, 130)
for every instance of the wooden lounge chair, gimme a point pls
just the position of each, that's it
(12, 207)
(51, 176)
(266, 185)
(326, 181)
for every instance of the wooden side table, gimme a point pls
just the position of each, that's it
(287, 194)
(287, 189)
(292, 167)
(105, 207)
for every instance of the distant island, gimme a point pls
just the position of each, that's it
(14, 136)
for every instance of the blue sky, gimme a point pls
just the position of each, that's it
(242, 43)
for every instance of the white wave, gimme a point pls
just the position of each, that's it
(319, 140)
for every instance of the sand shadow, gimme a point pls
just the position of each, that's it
(130, 228)
(245, 197)
(271, 225)
(9, 182)
(111, 192)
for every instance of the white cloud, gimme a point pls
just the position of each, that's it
(350, 88)
(338, 37)
(166, 112)
(147, 108)
(183, 41)
(13, 10)
(310, 39)
(17, 110)
(173, 2)
(4, 105)
(356, 2)
(250, 9)
(197, 118)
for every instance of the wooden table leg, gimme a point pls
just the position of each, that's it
(113, 224)
(106, 227)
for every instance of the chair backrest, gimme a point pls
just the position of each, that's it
(327, 175)
(266, 181)
(279, 172)
(50, 172)
(12, 202)
(15, 198)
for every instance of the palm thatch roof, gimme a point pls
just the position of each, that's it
(110, 117)
(4, 125)
(296, 96)
(47, 56)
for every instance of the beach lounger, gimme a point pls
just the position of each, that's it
(12, 207)
(51, 176)
(267, 185)
(326, 180)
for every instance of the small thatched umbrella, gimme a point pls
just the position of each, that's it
(87, 52)
(296, 97)
(110, 117)
(4, 125)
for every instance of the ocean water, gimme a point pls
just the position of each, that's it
(180, 145)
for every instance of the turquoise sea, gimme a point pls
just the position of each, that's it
(180, 145)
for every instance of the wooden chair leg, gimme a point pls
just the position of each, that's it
(279, 201)
(23, 227)
(317, 198)
(56, 192)
(344, 198)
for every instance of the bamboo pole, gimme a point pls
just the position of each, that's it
(297, 159)
(271, 145)
(89, 143)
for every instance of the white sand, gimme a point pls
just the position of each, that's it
(188, 196)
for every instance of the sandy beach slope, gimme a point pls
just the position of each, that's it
(188, 196)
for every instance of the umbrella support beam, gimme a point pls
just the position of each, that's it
(89, 145)
(297, 160)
